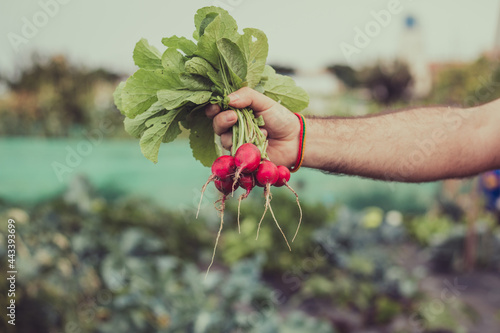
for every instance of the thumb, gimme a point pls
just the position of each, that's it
(247, 97)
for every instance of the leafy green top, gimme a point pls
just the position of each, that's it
(173, 88)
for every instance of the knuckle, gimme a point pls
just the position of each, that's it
(218, 125)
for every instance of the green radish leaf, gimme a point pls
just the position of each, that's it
(195, 82)
(117, 96)
(206, 21)
(223, 26)
(171, 88)
(174, 129)
(156, 131)
(216, 79)
(147, 56)
(194, 109)
(172, 99)
(253, 43)
(283, 90)
(140, 90)
(136, 127)
(180, 43)
(234, 59)
(173, 61)
(260, 88)
(202, 139)
(201, 16)
(200, 66)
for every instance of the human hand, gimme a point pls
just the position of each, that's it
(281, 128)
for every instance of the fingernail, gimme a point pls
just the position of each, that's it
(233, 97)
(229, 117)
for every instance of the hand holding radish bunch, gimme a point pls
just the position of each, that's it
(281, 126)
(171, 89)
(282, 133)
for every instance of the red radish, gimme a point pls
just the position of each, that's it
(247, 182)
(225, 186)
(259, 184)
(223, 168)
(267, 174)
(283, 178)
(247, 159)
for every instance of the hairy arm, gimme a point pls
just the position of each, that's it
(418, 145)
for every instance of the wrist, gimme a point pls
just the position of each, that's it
(314, 149)
(293, 144)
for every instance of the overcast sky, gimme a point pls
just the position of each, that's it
(304, 34)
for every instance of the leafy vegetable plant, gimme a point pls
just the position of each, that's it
(171, 89)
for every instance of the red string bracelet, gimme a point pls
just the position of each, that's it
(302, 142)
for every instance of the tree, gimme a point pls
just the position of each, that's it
(387, 83)
(50, 96)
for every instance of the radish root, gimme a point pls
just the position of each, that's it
(267, 193)
(239, 204)
(211, 178)
(277, 224)
(300, 209)
(221, 210)
(236, 178)
(243, 196)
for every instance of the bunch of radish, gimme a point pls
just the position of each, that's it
(247, 169)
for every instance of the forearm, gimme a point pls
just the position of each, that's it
(417, 145)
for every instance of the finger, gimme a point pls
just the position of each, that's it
(245, 97)
(223, 121)
(226, 140)
(264, 131)
(211, 110)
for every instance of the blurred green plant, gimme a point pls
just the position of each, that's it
(428, 229)
(466, 84)
(94, 263)
(91, 264)
(361, 271)
(448, 255)
(444, 240)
